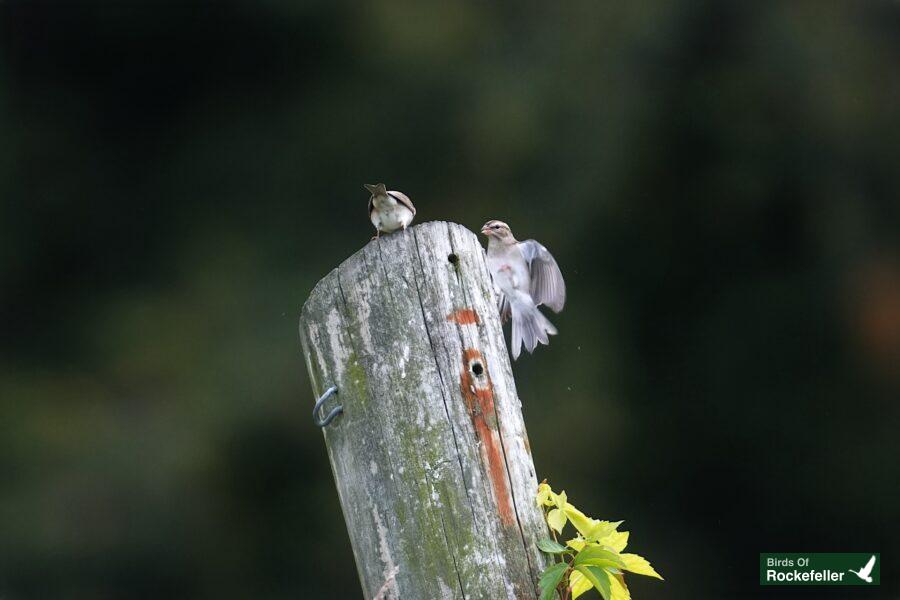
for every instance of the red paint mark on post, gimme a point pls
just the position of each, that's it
(478, 392)
(464, 316)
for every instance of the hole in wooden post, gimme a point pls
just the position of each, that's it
(454, 259)
(478, 369)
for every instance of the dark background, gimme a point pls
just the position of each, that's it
(720, 182)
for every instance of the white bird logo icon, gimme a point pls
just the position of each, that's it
(866, 572)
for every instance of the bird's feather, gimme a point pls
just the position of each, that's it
(547, 284)
(503, 306)
(399, 197)
(404, 200)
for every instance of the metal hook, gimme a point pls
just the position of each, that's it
(334, 411)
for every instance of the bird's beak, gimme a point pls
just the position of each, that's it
(371, 187)
(485, 230)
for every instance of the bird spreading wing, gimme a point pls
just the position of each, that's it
(867, 570)
(547, 285)
(399, 197)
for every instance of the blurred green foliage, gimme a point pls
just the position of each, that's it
(718, 179)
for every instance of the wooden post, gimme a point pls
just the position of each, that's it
(430, 456)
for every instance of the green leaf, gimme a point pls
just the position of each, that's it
(550, 547)
(598, 579)
(618, 587)
(617, 540)
(601, 530)
(560, 499)
(556, 519)
(599, 557)
(638, 564)
(576, 543)
(583, 523)
(543, 495)
(579, 584)
(550, 578)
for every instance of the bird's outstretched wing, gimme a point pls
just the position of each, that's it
(404, 200)
(547, 285)
(867, 570)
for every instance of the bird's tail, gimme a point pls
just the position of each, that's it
(529, 327)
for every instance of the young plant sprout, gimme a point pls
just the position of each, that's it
(594, 558)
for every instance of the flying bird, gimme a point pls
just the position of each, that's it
(866, 572)
(389, 210)
(525, 276)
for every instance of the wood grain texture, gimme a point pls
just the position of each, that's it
(430, 457)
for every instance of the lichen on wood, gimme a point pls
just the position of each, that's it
(430, 456)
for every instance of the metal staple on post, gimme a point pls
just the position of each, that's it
(334, 411)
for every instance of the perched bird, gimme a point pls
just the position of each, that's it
(525, 276)
(389, 210)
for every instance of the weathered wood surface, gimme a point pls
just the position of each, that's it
(430, 457)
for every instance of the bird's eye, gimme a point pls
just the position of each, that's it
(495, 227)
